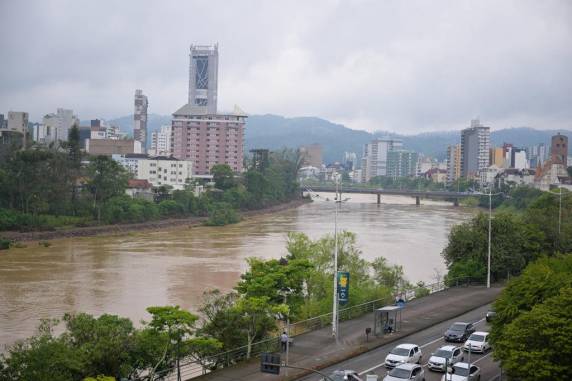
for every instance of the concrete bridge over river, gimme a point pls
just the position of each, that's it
(441, 195)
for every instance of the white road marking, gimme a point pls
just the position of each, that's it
(421, 346)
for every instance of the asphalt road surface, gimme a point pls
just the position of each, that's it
(429, 340)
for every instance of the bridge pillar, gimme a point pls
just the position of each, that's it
(456, 202)
(378, 199)
(417, 200)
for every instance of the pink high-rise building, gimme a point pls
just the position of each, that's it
(208, 139)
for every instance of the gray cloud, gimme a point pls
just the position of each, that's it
(405, 66)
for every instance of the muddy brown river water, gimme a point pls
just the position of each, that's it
(125, 274)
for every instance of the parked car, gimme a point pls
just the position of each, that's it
(478, 342)
(462, 371)
(490, 315)
(344, 375)
(448, 354)
(401, 372)
(459, 332)
(403, 353)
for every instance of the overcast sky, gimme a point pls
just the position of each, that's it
(403, 66)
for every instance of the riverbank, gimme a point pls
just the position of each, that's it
(118, 229)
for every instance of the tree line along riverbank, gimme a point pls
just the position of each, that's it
(53, 191)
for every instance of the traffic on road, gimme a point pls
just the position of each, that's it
(422, 356)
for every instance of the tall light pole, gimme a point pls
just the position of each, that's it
(337, 200)
(490, 194)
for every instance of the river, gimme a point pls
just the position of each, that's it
(125, 274)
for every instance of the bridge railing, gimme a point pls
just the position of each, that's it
(191, 368)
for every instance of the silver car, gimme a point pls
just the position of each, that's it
(402, 372)
(462, 371)
(447, 354)
(344, 375)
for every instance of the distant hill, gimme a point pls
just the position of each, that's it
(274, 132)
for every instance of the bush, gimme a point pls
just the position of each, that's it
(170, 208)
(221, 214)
(4, 244)
(125, 209)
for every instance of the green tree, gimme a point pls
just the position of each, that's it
(514, 244)
(201, 349)
(386, 275)
(177, 324)
(223, 176)
(222, 213)
(107, 179)
(537, 345)
(277, 280)
(103, 343)
(257, 318)
(531, 332)
(42, 357)
(221, 318)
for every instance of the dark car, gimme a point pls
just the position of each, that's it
(459, 332)
(490, 315)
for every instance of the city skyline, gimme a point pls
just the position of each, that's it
(415, 67)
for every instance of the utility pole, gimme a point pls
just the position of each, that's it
(335, 298)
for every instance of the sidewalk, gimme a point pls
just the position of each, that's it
(317, 349)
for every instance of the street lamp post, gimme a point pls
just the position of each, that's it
(490, 194)
(337, 200)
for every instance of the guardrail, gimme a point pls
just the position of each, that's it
(193, 368)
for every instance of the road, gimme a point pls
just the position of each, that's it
(429, 340)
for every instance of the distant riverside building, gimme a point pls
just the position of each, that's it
(537, 155)
(140, 119)
(475, 145)
(161, 142)
(559, 150)
(203, 77)
(111, 147)
(401, 163)
(157, 170)
(497, 157)
(518, 158)
(374, 159)
(208, 139)
(99, 129)
(453, 163)
(17, 121)
(350, 161)
(3, 122)
(311, 155)
(57, 126)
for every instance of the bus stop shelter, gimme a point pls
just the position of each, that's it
(387, 320)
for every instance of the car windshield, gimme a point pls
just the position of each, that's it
(460, 371)
(477, 337)
(339, 376)
(443, 353)
(400, 373)
(400, 352)
(458, 327)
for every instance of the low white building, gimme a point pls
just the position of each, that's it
(157, 170)
(488, 175)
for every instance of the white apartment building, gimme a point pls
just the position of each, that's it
(157, 170)
(57, 126)
(161, 142)
(375, 154)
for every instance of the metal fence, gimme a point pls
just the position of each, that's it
(191, 368)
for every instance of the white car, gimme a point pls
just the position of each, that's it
(402, 354)
(447, 354)
(401, 372)
(478, 342)
(462, 371)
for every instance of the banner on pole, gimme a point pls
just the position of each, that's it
(343, 287)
